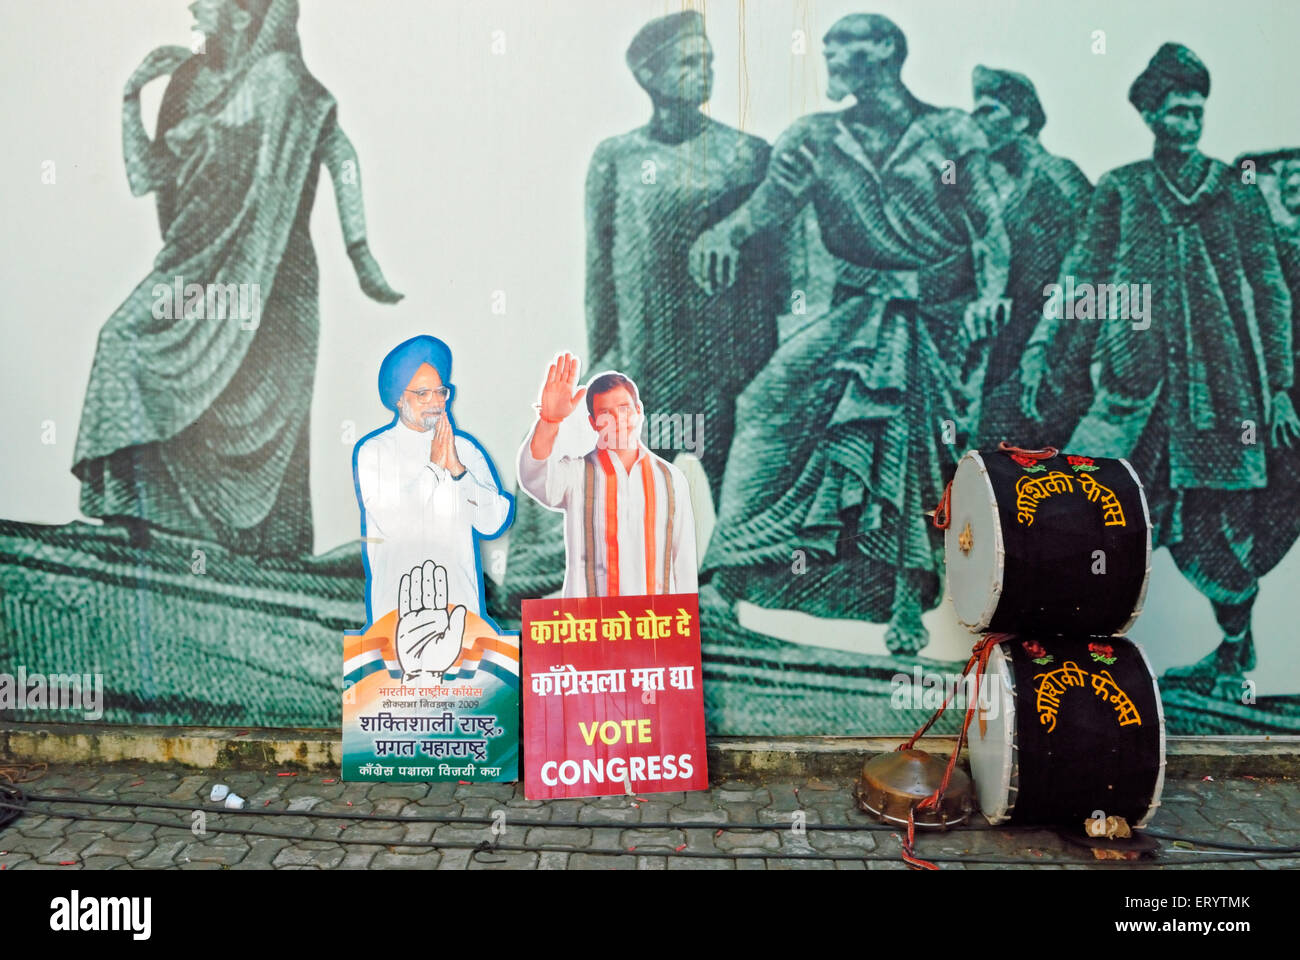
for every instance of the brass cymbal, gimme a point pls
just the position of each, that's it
(893, 783)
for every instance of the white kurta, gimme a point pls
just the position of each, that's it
(560, 483)
(415, 511)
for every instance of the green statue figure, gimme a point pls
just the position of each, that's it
(197, 410)
(1043, 198)
(1193, 388)
(649, 194)
(848, 436)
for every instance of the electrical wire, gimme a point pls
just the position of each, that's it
(740, 826)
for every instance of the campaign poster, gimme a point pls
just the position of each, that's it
(463, 725)
(613, 701)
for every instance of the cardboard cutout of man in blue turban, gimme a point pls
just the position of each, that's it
(428, 492)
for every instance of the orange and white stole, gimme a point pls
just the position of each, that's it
(611, 525)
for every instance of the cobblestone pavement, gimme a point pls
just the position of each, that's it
(1239, 810)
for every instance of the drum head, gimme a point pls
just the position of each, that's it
(973, 549)
(993, 761)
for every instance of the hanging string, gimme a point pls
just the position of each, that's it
(978, 661)
(1045, 453)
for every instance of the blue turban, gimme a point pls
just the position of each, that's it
(401, 363)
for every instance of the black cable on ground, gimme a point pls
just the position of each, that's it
(14, 804)
(484, 846)
(598, 825)
(780, 825)
(1221, 844)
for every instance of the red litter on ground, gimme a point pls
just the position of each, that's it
(286, 774)
(681, 848)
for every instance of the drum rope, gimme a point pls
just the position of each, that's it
(979, 659)
(942, 518)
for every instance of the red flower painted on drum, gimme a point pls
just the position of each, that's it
(1081, 463)
(1023, 460)
(1037, 653)
(1102, 653)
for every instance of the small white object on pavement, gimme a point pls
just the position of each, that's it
(219, 791)
(235, 802)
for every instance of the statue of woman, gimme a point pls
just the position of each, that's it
(197, 410)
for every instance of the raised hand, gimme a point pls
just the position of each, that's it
(558, 396)
(429, 637)
(157, 63)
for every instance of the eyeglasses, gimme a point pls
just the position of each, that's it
(428, 393)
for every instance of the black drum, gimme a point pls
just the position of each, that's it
(1057, 545)
(1072, 726)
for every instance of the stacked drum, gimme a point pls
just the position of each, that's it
(1054, 551)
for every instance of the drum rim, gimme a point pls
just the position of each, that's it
(999, 551)
(1160, 712)
(1146, 575)
(1009, 778)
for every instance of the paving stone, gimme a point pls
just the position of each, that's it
(502, 792)
(163, 854)
(102, 863)
(67, 848)
(37, 826)
(455, 860)
(224, 854)
(291, 856)
(303, 804)
(127, 850)
(700, 863)
(657, 840)
(684, 814)
(410, 860)
(189, 789)
(371, 833)
(397, 791)
(651, 863)
(587, 861)
(655, 811)
(11, 859)
(559, 836)
(622, 814)
(699, 801)
(501, 860)
(861, 840)
(552, 860)
(730, 841)
(262, 851)
(358, 858)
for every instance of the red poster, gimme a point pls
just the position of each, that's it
(613, 701)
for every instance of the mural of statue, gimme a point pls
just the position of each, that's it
(1195, 389)
(196, 413)
(1043, 199)
(649, 194)
(840, 448)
